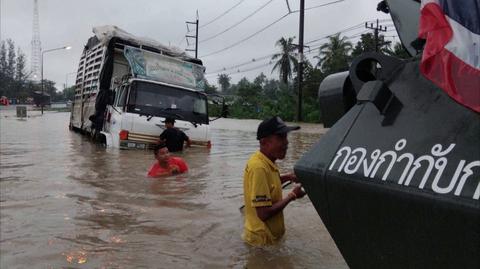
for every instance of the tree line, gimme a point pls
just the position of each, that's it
(264, 97)
(17, 84)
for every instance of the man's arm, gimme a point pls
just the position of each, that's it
(266, 212)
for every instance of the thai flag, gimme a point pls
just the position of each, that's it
(451, 54)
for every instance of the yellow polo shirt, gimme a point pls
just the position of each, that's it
(261, 187)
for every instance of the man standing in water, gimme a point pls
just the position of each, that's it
(173, 137)
(262, 185)
(165, 164)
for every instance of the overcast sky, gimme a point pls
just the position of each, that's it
(69, 22)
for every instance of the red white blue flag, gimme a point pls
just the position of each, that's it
(451, 56)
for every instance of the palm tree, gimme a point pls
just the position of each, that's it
(285, 58)
(224, 81)
(334, 55)
(367, 44)
(398, 51)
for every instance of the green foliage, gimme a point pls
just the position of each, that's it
(210, 89)
(367, 44)
(214, 110)
(14, 82)
(68, 93)
(20, 73)
(398, 51)
(271, 97)
(224, 82)
(286, 61)
(334, 55)
(267, 97)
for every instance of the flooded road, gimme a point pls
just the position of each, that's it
(68, 203)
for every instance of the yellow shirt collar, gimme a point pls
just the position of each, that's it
(267, 160)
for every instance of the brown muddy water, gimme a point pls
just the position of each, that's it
(68, 203)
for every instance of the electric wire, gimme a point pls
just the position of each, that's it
(360, 25)
(313, 50)
(179, 43)
(221, 15)
(242, 64)
(236, 24)
(261, 30)
(317, 6)
(246, 38)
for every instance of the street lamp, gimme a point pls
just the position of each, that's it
(41, 67)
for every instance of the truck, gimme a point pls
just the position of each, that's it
(127, 85)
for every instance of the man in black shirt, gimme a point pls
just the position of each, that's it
(173, 137)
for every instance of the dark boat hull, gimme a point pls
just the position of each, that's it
(396, 180)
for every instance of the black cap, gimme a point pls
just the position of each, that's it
(273, 125)
(169, 120)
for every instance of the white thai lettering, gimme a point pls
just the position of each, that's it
(351, 160)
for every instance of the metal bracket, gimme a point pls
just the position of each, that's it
(378, 93)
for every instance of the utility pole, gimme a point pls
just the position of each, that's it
(195, 36)
(376, 29)
(300, 60)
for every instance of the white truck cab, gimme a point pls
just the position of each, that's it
(135, 117)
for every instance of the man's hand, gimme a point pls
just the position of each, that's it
(299, 193)
(288, 177)
(174, 169)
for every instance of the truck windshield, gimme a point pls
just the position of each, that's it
(159, 100)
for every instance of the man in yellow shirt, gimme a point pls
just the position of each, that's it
(262, 185)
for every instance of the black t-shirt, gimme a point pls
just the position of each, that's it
(174, 139)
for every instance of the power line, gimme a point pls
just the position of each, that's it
(360, 25)
(257, 67)
(245, 70)
(246, 38)
(317, 46)
(221, 15)
(312, 50)
(239, 71)
(357, 26)
(267, 64)
(263, 29)
(322, 5)
(236, 24)
(243, 64)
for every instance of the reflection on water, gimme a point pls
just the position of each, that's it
(66, 202)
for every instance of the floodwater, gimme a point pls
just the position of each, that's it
(68, 203)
